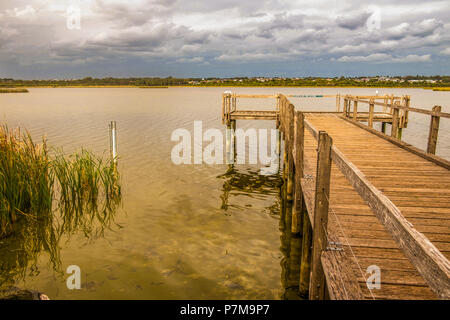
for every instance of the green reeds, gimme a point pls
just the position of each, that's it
(88, 189)
(14, 90)
(81, 187)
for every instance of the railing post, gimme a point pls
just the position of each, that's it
(338, 102)
(355, 109)
(371, 110)
(434, 130)
(299, 134)
(406, 116)
(344, 108)
(395, 120)
(321, 204)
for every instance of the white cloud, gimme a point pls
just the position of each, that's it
(446, 51)
(386, 58)
(22, 13)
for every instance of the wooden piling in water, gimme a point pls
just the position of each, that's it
(290, 148)
(321, 205)
(434, 130)
(305, 263)
(299, 133)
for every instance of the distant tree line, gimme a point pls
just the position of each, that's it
(404, 81)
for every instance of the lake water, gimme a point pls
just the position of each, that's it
(183, 232)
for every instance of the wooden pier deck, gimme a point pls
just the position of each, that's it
(363, 200)
(418, 187)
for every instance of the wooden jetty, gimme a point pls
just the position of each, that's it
(362, 201)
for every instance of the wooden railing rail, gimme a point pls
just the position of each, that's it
(400, 121)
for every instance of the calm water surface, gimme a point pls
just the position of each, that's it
(183, 232)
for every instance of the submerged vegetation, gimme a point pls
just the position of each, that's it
(80, 187)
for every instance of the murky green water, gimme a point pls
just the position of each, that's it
(183, 232)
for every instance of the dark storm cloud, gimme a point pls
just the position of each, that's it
(218, 35)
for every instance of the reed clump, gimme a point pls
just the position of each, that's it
(13, 90)
(82, 188)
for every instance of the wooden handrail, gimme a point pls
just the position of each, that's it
(428, 260)
(397, 106)
(256, 96)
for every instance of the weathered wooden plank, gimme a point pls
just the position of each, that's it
(430, 157)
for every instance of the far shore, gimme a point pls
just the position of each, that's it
(24, 89)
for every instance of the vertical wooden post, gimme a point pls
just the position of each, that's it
(344, 108)
(282, 114)
(371, 111)
(113, 141)
(223, 108)
(355, 109)
(434, 130)
(395, 120)
(278, 111)
(383, 127)
(338, 102)
(299, 131)
(290, 147)
(305, 263)
(391, 99)
(406, 116)
(320, 243)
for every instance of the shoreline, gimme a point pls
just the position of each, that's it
(22, 89)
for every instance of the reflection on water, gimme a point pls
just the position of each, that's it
(248, 183)
(33, 237)
(251, 183)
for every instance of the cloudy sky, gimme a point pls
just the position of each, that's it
(77, 38)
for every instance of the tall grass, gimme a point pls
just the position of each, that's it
(81, 187)
(13, 90)
(88, 190)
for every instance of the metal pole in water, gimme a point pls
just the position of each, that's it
(113, 141)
